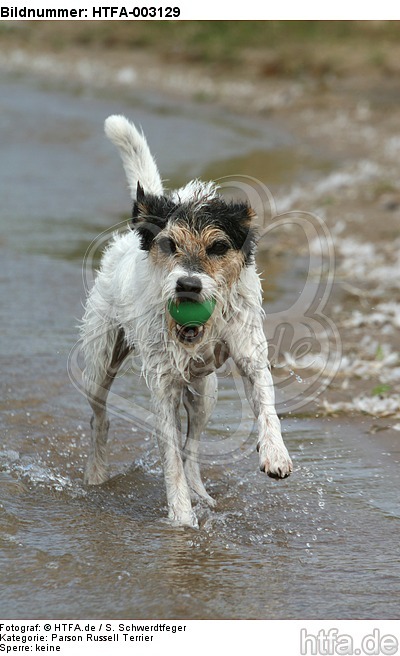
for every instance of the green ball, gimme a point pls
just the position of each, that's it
(190, 313)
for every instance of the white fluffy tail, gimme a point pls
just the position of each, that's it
(136, 157)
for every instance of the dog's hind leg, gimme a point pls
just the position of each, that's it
(199, 399)
(98, 381)
(168, 430)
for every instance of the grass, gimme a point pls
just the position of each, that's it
(379, 390)
(271, 48)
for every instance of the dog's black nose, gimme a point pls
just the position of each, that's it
(188, 287)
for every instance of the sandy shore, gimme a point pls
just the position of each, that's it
(356, 123)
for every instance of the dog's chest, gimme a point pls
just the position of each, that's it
(209, 358)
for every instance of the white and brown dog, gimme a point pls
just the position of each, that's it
(188, 244)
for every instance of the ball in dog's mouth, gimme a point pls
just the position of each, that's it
(189, 334)
(190, 317)
(191, 313)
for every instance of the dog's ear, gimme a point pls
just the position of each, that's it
(242, 230)
(139, 193)
(250, 241)
(236, 220)
(150, 215)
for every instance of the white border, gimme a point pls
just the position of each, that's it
(195, 637)
(222, 10)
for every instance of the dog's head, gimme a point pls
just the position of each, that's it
(198, 243)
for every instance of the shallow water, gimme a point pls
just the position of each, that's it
(322, 544)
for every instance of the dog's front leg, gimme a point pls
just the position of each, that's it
(169, 440)
(250, 353)
(199, 399)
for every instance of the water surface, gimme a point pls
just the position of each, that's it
(322, 544)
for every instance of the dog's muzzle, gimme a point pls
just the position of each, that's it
(188, 289)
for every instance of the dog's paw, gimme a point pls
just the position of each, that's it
(196, 485)
(95, 474)
(195, 495)
(275, 461)
(211, 503)
(187, 518)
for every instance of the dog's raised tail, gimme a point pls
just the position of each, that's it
(137, 159)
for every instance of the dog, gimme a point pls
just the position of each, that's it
(187, 245)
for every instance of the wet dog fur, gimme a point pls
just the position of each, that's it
(189, 244)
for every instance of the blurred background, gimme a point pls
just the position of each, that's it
(316, 50)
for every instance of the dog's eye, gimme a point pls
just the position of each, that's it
(218, 248)
(167, 245)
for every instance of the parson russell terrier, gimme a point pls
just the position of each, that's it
(183, 245)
